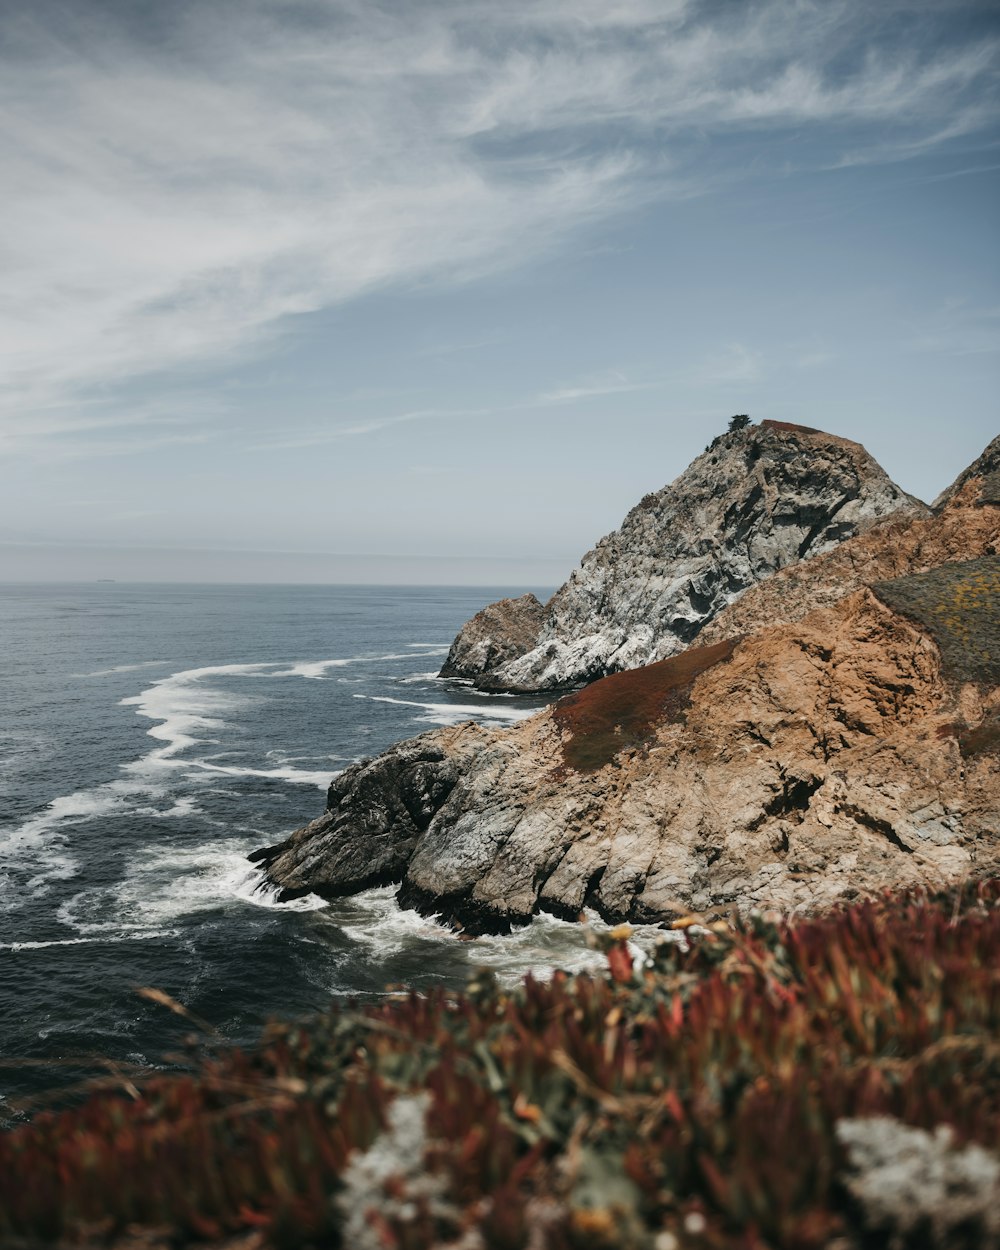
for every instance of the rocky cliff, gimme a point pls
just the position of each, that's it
(756, 501)
(967, 524)
(987, 468)
(851, 745)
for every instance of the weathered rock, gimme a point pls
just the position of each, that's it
(966, 526)
(756, 501)
(502, 631)
(832, 755)
(838, 731)
(986, 467)
(376, 812)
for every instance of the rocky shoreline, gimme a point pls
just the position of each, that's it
(846, 745)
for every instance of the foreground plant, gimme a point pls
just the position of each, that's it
(741, 1091)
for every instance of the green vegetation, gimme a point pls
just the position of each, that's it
(624, 709)
(959, 605)
(693, 1104)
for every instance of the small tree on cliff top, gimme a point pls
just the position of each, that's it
(739, 422)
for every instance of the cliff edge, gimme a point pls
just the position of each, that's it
(853, 747)
(756, 501)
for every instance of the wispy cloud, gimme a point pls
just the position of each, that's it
(336, 431)
(453, 349)
(175, 200)
(959, 328)
(591, 390)
(733, 363)
(89, 427)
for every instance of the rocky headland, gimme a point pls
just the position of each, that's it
(757, 500)
(835, 731)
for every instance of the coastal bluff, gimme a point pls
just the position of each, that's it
(758, 500)
(794, 757)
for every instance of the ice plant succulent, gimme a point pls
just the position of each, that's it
(693, 1102)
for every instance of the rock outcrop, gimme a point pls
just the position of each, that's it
(502, 631)
(966, 526)
(756, 501)
(856, 747)
(987, 468)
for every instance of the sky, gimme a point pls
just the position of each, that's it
(436, 290)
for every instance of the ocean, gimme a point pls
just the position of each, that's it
(151, 736)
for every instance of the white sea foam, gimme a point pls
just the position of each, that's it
(18, 745)
(548, 943)
(164, 883)
(316, 670)
(375, 920)
(123, 668)
(320, 778)
(313, 670)
(189, 710)
(255, 888)
(41, 841)
(113, 798)
(452, 713)
(88, 941)
(184, 707)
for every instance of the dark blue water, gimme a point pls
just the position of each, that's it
(152, 736)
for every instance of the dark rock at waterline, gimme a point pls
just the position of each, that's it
(376, 812)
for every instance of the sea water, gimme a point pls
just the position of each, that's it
(150, 738)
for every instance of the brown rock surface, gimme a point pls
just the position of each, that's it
(820, 758)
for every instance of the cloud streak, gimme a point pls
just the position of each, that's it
(177, 201)
(334, 432)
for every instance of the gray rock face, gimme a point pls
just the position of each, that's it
(754, 502)
(502, 631)
(376, 813)
(798, 761)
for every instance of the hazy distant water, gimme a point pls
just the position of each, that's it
(150, 737)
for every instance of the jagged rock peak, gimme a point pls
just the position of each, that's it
(987, 466)
(756, 501)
